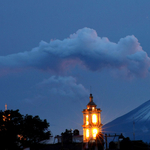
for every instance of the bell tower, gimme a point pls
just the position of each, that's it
(91, 121)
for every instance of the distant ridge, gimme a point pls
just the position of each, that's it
(136, 121)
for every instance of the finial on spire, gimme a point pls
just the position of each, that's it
(91, 98)
(5, 107)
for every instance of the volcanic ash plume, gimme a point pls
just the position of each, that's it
(84, 48)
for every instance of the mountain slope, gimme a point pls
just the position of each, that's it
(136, 121)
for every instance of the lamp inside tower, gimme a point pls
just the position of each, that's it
(87, 119)
(94, 118)
(94, 133)
(87, 133)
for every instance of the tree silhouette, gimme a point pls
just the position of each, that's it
(34, 130)
(9, 129)
(67, 136)
(76, 132)
(18, 131)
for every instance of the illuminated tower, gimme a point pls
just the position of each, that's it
(5, 107)
(91, 121)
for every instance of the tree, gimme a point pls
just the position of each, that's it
(76, 132)
(34, 130)
(67, 136)
(18, 131)
(9, 129)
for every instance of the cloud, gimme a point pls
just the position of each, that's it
(84, 48)
(56, 88)
(64, 86)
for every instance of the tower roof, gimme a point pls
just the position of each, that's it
(91, 103)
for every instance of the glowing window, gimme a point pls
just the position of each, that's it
(87, 119)
(94, 133)
(94, 118)
(92, 108)
(87, 133)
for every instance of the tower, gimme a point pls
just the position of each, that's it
(5, 107)
(91, 121)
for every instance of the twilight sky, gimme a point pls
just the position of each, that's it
(51, 52)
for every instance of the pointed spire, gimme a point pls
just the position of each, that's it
(91, 98)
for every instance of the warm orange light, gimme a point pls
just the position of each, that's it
(94, 118)
(21, 137)
(5, 106)
(87, 119)
(94, 133)
(4, 118)
(87, 133)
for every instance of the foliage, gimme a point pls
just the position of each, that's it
(67, 136)
(18, 131)
(34, 129)
(76, 132)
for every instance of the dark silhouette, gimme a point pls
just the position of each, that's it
(18, 131)
(112, 145)
(67, 136)
(100, 141)
(76, 132)
(127, 144)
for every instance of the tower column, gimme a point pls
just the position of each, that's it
(91, 123)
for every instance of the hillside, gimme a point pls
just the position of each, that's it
(137, 121)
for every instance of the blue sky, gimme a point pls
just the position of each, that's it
(51, 52)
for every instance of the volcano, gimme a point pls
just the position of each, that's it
(135, 124)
